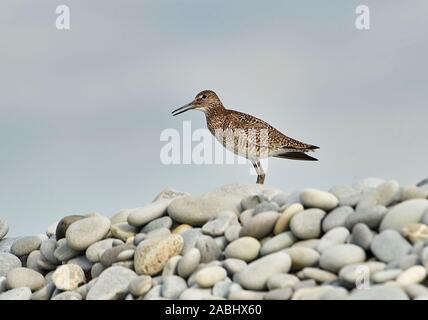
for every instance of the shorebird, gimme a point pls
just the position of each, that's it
(251, 137)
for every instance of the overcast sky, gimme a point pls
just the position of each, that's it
(82, 110)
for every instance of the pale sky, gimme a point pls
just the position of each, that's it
(82, 110)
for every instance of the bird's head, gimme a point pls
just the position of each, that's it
(205, 101)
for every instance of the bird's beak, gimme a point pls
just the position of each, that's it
(185, 108)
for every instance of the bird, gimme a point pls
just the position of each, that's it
(246, 135)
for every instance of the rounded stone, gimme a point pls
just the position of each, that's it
(140, 285)
(347, 195)
(82, 233)
(4, 228)
(171, 266)
(172, 287)
(284, 219)
(233, 266)
(412, 275)
(352, 273)
(8, 262)
(302, 257)
(415, 232)
(23, 246)
(123, 231)
(410, 211)
(16, 294)
(379, 292)
(112, 255)
(385, 275)
(217, 226)
(278, 242)
(152, 254)
(189, 263)
(140, 216)
(25, 277)
(232, 232)
(47, 249)
(208, 248)
(256, 274)
(361, 236)
(336, 218)
(96, 250)
(389, 245)
(63, 252)
(64, 223)
(260, 225)
(319, 275)
(282, 280)
(333, 237)
(335, 257)
(68, 277)
(209, 276)
(250, 202)
(279, 294)
(245, 248)
(68, 296)
(371, 216)
(384, 194)
(313, 198)
(162, 222)
(307, 224)
(120, 217)
(412, 192)
(266, 206)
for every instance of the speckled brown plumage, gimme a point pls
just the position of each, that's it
(245, 134)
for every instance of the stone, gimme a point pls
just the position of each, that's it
(333, 237)
(250, 202)
(112, 284)
(412, 275)
(232, 232)
(410, 211)
(233, 266)
(96, 250)
(415, 232)
(302, 257)
(209, 276)
(84, 232)
(312, 293)
(195, 294)
(347, 195)
(389, 245)
(385, 275)
(337, 293)
(162, 222)
(154, 293)
(68, 277)
(260, 225)
(307, 224)
(371, 216)
(217, 226)
(23, 246)
(367, 184)
(47, 249)
(280, 198)
(24, 277)
(312, 198)
(245, 248)
(111, 256)
(171, 266)
(336, 218)
(6, 244)
(358, 272)
(412, 192)
(189, 263)
(64, 223)
(282, 280)
(246, 216)
(152, 254)
(208, 248)
(361, 236)
(141, 216)
(140, 285)
(416, 290)
(246, 295)
(63, 252)
(68, 296)
(384, 195)
(283, 222)
(319, 275)
(256, 274)
(379, 292)
(123, 231)
(16, 294)
(266, 206)
(82, 262)
(281, 241)
(4, 228)
(173, 287)
(196, 211)
(279, 294)
(97, 269)
(222, 288)
(44, 293)
(335, 257)
(170, 194)
(8, 262)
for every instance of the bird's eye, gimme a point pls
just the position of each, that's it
(202, 96)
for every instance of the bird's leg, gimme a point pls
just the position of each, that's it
(260, 173)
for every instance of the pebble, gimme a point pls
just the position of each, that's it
(333, 237)
(8, 262)
(347, 195)
(140, 285)
(47, 249)
(82, 233)
(337, 293)
(336, 218)
(112, 284)
(171, 266)
(44, 293)
(404, 213)
(283, 222)
(379, 292)
(190, 237)
(280, 198)
(361, 236)
(209, 276)
(260, 225)
(245, 248)
(163, 222)
(319, 275)
(385, 275)
(358, 272)
(246, 295)
(195, 294)
(64, 223)
(250, 202)
(266, 206)
(68, 277)
(120, 217)
(389, 245)
(112, 255)
(151, 255)
(246, 216)
(371, 216)
(189, 263)
(279, 294)
(23, 246)
(154, 293)
(282, 280)
(141, 216)
(307, 224)
(222, 288)
(281, 241)
(173, 287)
(4, 228)
(412, 275)
(404, 262)
(384, 194)
(256, 274)
(16, 294)
(233, 266)
(312, 198)
(415, 232)
(302, 257)
(123, 231)
(335, 257)
(217, 226)
(412, 192)
(416, 290)
(25, 277)
(68, 296)
(208, 248)
(96, 269)
(63, 252)
(232, 232)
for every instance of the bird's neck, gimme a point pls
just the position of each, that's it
(215, 117)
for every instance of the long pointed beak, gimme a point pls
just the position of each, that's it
(185, 108)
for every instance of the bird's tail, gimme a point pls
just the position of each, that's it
(295, 155)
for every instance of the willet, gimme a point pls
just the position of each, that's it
(246, 135)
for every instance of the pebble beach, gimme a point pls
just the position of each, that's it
(363, 241)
